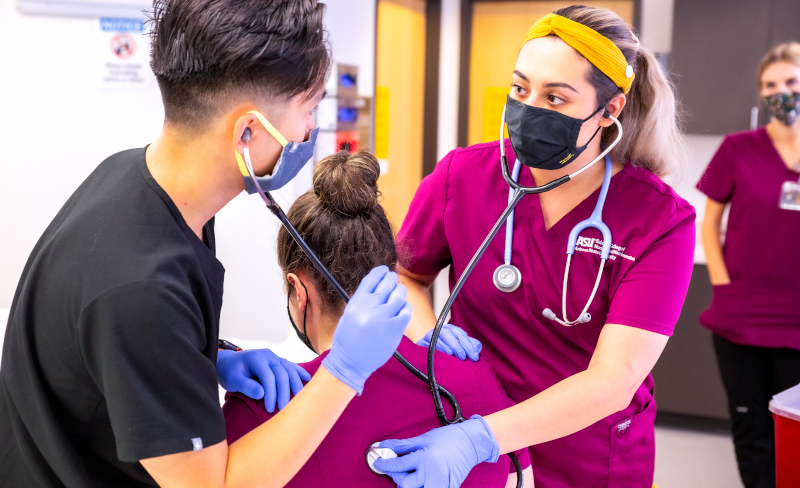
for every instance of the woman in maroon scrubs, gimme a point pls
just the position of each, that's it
(755, 313)
(585, 395)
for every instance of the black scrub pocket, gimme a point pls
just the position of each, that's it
(632, 450)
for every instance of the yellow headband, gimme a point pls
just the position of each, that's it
(597, 49)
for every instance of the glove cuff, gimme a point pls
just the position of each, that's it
(344, 375)
(483, 440)
(223, 354)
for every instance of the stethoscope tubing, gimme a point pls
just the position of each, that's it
(510, 221)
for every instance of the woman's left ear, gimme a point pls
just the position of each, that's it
(299, 290)
(614, 108)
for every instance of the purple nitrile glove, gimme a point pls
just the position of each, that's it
(442, 457)
(370, 328)
(455, 342)
(260, 373)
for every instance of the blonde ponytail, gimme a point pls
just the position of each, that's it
(652, 137)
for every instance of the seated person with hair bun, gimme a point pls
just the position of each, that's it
(347, 228)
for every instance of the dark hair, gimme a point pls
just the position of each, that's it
(342, 222)
(650, 120)
(206, 52)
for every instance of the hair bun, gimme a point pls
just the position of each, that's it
(348, 183)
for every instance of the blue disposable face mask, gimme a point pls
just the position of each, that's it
(293, 157)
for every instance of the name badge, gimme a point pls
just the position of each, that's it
(790, 195)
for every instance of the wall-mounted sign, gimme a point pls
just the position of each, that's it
(124, 54)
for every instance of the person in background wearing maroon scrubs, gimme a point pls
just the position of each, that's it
(346, 227)
(755, 312)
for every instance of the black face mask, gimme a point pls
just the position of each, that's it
(543, 138)
(302, 335)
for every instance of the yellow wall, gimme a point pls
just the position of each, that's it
(498, 31)
(401, 77)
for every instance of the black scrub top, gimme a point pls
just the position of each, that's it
(110, 350)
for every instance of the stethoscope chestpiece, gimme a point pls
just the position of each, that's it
(374, 453)
(507, 278)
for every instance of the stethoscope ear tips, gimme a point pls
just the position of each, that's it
(548, 314)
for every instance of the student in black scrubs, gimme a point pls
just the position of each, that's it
(110, 363)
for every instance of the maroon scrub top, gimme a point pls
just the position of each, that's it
(643, 285)
(761, 305)
(394, 405)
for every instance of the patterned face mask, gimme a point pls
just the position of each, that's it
(784, 107)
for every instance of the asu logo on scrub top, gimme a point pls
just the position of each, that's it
(566, 159)
(594, 245)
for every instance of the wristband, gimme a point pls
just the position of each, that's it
(228, 346)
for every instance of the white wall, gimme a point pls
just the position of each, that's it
(56, 126)
(3, 320)
(447, 126)
(656, 28)
(701, 150)
(449, 71)
(351, 28)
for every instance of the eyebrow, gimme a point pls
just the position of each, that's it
(548, 85)
(522, 76)
(560, 85)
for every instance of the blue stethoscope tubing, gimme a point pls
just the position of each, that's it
(507, 277)
(594, 221)
(510, 221)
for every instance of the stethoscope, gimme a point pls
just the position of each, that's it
(515, 195)
(507, 277)
(518, 192)
(373, 452)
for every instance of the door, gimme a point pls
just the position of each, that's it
(399, 102)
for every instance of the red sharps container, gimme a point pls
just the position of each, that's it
(785, 408)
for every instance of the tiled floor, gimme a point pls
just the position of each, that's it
(690, 459)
